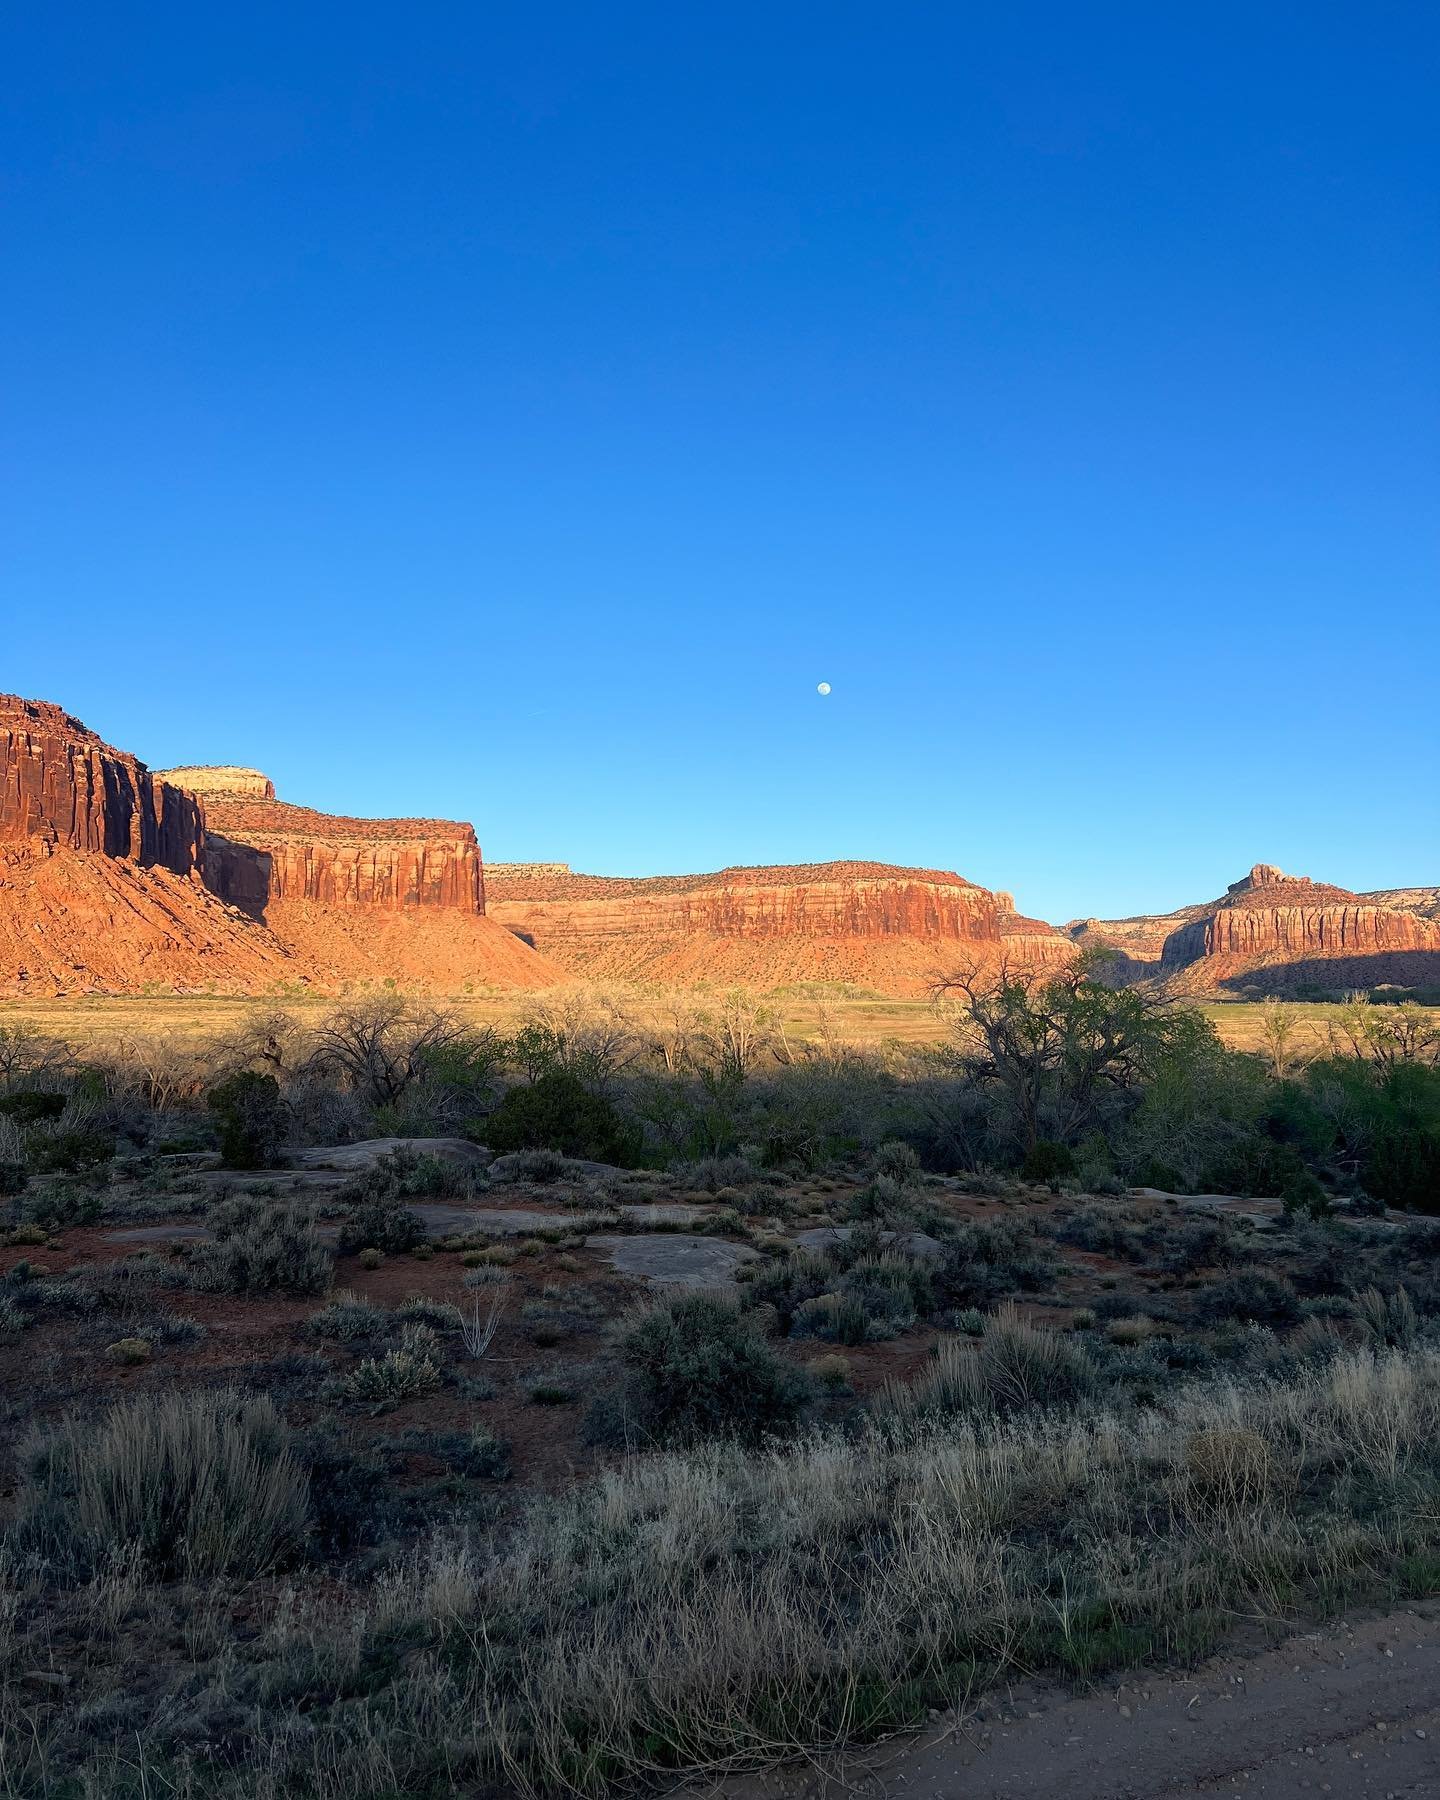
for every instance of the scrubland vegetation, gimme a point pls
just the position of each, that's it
(396, 1477)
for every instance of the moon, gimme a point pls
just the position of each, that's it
(823, 687)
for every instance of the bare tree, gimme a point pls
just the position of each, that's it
(742, 1030)
(380, 1047)
(27, 1055)
(1386, 1035)
(1056, 1041)
(589, 1030)
(673, 1029)
(1278, 1026)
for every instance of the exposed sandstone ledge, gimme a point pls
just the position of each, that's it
(818, 900)
(260, 849)
(223, 778)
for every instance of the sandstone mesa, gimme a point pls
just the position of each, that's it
(114, 878)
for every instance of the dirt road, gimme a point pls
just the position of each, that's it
(1353, 1710)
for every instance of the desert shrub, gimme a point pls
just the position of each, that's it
(30, 1107)
(558, 1112)
(891, 1290)
(1198, 1244)
(712, 1173)
(538, 1166)
(1014, 1366)
(347, 1316)
(198, 1485)
(1252, 1294)
(1303, 1194)
(389, 1380)
(836, 1318)
(250, 1117)
(262, 1247)
(1048, 1163)
(384, 1225)
(986, 1262)
(698, 1368)
(379, 1217)
(55, 1205)
(1107, 1230)
(787, 1284)
(69, 1150)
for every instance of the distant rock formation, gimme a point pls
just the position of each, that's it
(358, 899)
(63, 787)
(113, 879)
(1272, 931)
(261, 849)
(884, 927)
(1424, 902)
(102, 872)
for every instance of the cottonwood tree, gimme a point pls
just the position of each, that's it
(1057, 1042)
(380, 1047)
(1388, 1036)
(1278, 1028)
(742, 1030)
(590, 1032)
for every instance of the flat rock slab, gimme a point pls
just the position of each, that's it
(443, 1217)
(826, 1237)
(667, 1259)
(661, 1213)
(158, 1234)
(351, 1159)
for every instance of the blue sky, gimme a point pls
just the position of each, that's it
(512, 413)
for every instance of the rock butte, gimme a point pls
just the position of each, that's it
(114, 879)
(1275, 930)
(881, 926)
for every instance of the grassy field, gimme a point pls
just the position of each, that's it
(858, 1019)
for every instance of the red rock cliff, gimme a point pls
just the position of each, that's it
(888, 928)
(1270, 918)
(62, 787)
(261, 849)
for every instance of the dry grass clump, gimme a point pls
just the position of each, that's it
(727, 1603)
(1014, 1366)
(194, 1484)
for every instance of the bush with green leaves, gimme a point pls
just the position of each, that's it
(262, 1246)
(198, 1485)
(558, 1112)
(985, 1262)
(1304, 1195)
(31, 1106)
(1249, 1294)
(68, 1150)
(1048, 1163)
(698, 1368)
(389, 1380)
(250, 1117)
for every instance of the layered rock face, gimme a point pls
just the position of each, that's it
(1424, 902)
(261, 849)
(870, 923)
(113, 879)
(1275, 931)
(358, 899)
(101, 867)
(63, 787)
